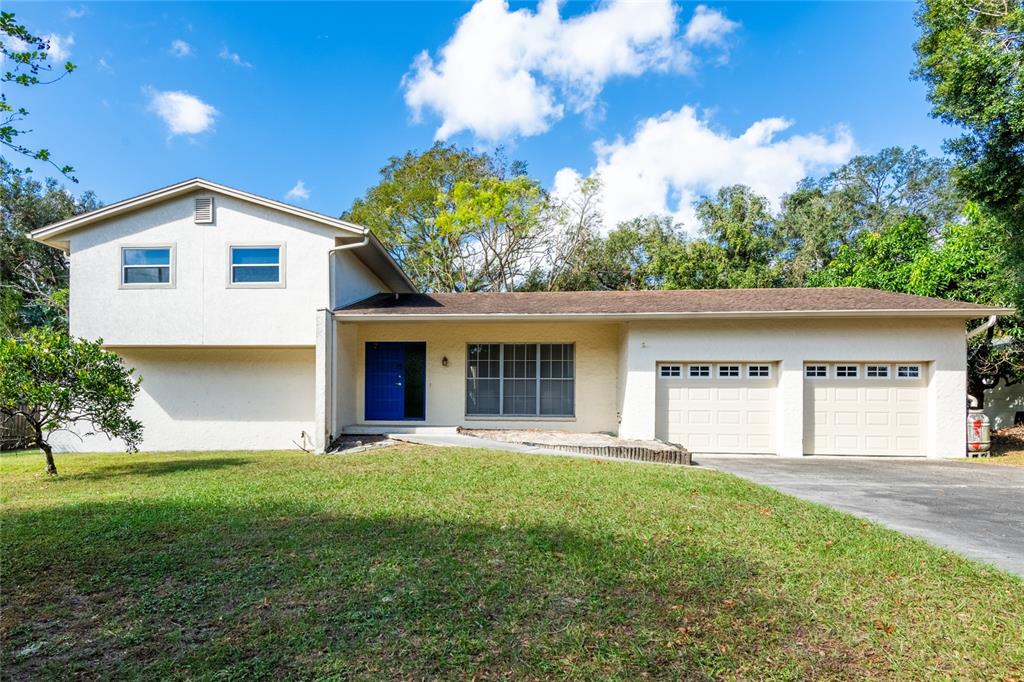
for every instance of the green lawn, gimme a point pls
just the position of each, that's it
(417, 563)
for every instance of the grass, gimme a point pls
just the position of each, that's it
(418, 563)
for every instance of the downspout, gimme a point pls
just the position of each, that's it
(989, 323)
(331, 333)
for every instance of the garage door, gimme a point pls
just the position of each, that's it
(717, 407)
(864, 409)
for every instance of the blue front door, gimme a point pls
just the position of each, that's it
(395, 381)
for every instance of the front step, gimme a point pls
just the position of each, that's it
(363, 429)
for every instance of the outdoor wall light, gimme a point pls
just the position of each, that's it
(444, 361)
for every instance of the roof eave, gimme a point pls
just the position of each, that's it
(954, 313)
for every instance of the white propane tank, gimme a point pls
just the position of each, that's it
(979, 433)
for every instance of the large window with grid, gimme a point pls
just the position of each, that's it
(521, 379)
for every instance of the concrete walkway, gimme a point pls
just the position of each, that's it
(971, 508)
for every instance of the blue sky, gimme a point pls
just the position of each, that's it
(656, 97)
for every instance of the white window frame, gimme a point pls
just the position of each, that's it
(737, 375)
(918, 371)
(281, 283)
(759, 376)
(666, 371)
(816, 365)
(868, 368)
(691, 368)
(856, 369)
(172, 265)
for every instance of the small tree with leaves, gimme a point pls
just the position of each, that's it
(55, 382)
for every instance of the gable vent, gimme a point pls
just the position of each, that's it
(204, 210)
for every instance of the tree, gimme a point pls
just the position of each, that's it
(971, 56)
(741, 236)
(413, 191)
(963, 262)
(495, 226)
(866, 193)
(33, 276)
(55, 381)
(27, 56)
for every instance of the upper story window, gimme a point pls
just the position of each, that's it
(256, 266)
(147, 266)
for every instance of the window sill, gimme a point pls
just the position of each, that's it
(525, 418)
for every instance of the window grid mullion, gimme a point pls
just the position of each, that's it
(536, 379)
(501, 380)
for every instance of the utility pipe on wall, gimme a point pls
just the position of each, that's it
(989, 323)
(331, 332)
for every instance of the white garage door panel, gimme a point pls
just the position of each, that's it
(714, 414)
(864, 416)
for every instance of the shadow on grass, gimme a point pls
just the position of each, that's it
(158, 468)
(254, 589)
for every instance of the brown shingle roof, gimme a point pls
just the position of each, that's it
(696, 302)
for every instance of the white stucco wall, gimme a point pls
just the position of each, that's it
(937, 343)
(1002, 403)
(201, 308)
(217, 399)
(597, 355)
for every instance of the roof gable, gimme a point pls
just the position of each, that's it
(49, 233)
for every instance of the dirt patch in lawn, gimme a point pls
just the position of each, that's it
(584, 440)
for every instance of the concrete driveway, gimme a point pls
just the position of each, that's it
(974, 509)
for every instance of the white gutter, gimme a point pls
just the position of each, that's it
(354, 316)
(991, 322)
(331, 334)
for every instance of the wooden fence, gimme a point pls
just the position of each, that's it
(15, 433)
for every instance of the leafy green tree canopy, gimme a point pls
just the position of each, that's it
(971, 55)
(456, 220)
(55, 382)
(33, 276)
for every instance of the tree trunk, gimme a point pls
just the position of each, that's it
(51, 466)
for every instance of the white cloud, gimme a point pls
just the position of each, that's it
(233, 57)
(180, 48)
(104, 65)
(183, 113)
(674, 159)
(60, 46)
(708, 27)
(507, 73)
(299, 191)
(78, 13)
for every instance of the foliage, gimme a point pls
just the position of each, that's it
(971, 55)
(963, 262)
(26, 55)
(33, 276)
(454, 219)
(55, 382)
(496, 224)
(424, 563)
(866, 193)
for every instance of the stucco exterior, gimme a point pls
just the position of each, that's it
(282, 365)
(597, 356)
(939, 344)
(217, 399)
(201, 308)
(1003, 403)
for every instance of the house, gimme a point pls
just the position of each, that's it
(259, 325)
